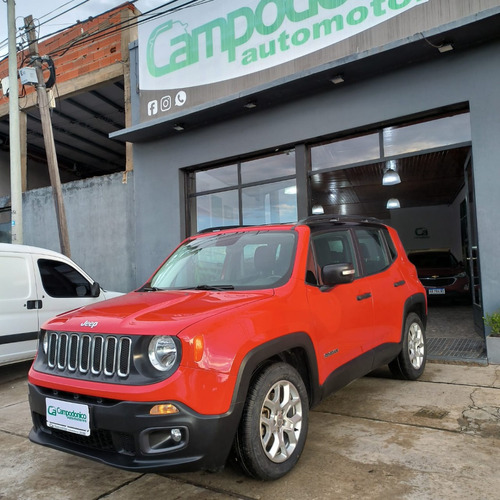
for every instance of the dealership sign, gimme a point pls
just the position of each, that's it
(201, 44)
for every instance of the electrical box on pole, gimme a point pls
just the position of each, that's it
(48, 138)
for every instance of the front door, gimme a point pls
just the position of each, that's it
(343, 314)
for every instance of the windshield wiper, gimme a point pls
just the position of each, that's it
(212, 287)
(150, 289)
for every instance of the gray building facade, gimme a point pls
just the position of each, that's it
(435, 62)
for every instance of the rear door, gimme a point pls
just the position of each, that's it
(19, 304)
(386, 283)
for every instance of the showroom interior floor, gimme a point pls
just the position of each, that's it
(451, 335)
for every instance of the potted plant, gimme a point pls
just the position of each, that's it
(493, 339)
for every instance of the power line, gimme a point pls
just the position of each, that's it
(4, 43)
(62, 13)
(60, 7)
(117, 27)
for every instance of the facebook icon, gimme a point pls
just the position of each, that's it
(152, 107)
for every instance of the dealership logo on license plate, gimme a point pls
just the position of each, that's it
(66, 416)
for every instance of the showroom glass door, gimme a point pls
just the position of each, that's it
(472, 247)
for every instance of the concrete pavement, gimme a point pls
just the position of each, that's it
(438, 437)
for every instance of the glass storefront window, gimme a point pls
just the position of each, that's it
(345, 152)
(216, 178)
(255, 186)
(270, 167)
(217, 209)
(427, 135)
(270, 203)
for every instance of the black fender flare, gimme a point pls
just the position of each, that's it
(417, 304)
(270, 349)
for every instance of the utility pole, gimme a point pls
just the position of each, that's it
(16, 190)
(48, 139)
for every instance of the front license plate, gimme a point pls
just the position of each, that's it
(66, 416)
(436, 291)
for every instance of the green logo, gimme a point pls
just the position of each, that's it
(265, 29)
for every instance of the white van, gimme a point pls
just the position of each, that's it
(36, 285)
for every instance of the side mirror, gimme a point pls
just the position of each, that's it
(337, 274)
(95, 289)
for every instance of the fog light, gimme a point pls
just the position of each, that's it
(167, 409)
(176, 435)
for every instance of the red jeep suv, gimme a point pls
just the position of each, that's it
(227, 347)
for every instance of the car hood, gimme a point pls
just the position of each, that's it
(159, 312)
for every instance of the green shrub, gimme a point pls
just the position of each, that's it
(493, 321)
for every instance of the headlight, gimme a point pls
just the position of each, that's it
(162, 352)
(461, 275)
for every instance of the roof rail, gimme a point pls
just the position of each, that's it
(339, 219)
(219, 228)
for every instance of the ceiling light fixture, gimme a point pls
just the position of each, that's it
(392, 203)
(178, 127)
(250, 105)
(337, 79)
(318, 210)
(390, 178)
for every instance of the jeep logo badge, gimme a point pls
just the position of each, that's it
(90, 324)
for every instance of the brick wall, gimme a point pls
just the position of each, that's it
(81, 49)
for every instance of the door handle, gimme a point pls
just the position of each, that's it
(364, 296)
(399, 283)
(34, 304)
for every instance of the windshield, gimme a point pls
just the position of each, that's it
(246, 260)
(433, 259)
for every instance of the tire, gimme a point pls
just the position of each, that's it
(410, 362)
(273, 427)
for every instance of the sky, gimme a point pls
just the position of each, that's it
(44, 10)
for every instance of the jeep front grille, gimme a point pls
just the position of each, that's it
(96, 354)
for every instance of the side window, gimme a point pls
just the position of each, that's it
(372, 249)
(61, 280)
(334, 247)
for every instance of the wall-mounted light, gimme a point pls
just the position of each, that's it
(445, 47)
(392, 203)
(178, 127)
(337, 79)
(318, 210)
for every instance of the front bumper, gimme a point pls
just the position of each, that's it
(123, 434)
